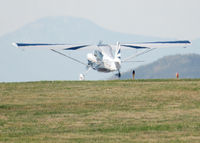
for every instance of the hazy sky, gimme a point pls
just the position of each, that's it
(163, 18)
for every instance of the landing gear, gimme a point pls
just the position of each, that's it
(118, 75)
(82, 77)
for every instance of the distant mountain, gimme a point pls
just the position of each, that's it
(41, 64)
(188, 66)
(69, 30)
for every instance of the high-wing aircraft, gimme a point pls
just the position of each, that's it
(105, 57)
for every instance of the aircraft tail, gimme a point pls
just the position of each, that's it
(118, 51)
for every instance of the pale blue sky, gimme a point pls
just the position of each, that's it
(178, 19)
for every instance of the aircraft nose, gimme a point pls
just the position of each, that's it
(113, 67)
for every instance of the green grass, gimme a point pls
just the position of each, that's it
(100, 111)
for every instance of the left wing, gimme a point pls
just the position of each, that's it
(160, 44)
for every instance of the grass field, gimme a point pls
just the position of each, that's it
(100, 111)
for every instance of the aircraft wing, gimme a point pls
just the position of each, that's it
(144, 45)
(150, 46)
(160, 44)
(54, 48)
(50, 46)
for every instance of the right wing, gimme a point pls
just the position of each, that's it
(50, 46)
(54, 48)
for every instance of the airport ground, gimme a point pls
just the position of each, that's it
(100, 111)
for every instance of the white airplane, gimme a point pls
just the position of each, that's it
(106, 58)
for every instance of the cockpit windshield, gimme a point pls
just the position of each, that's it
(106, 50)
(98, 55)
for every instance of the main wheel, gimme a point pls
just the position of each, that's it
(81, 77)
(119, 75)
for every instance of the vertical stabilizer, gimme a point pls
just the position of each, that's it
(118, 51)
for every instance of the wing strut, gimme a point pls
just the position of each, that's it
(144, 52)
(69, 57)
